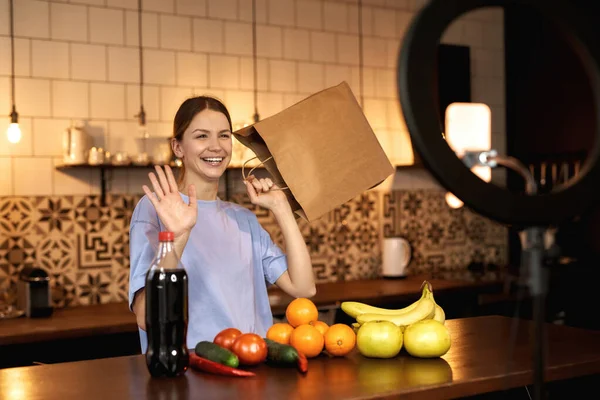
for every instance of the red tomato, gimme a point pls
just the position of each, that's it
(250, 348)
(226, 337)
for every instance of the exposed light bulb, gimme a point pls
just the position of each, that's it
(13, 132)
(453, 201)
(142, 128)
(143, 158)
(143, 131)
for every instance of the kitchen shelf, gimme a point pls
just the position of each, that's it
(109, 167)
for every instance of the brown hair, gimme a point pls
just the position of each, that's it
(186, 113)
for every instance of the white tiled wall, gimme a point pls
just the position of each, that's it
(78, 60)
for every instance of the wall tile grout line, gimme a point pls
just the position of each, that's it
(158, 30)
(89, 90)
(297, 72)
(49, 21)
(30, 58)
(124, 16)
(88, 25)
(70, 60)
(208, 71)
(192, 34)
(323, 15)
(11, 160)
(381, 38)
(107, 63)
(175, 12)
(223, 39)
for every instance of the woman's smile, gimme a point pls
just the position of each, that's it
(213, 161)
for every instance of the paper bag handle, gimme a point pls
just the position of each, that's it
(261, 163)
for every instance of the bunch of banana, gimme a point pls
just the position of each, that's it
(424, 308)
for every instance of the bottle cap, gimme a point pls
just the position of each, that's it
(166, 236)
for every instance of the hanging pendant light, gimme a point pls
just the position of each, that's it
(14, 131)
(360, 54)
(141, 116)
(254, 59)
(242, 153)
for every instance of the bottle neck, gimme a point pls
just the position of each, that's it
(166, 256)
(165, 247)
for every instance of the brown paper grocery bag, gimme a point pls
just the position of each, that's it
(323, 150)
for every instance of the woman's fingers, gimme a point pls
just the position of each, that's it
(272, 185)
(151, 196)
(261, 185)
(257, 185)
(163, 180)
(251, 191)
(171, 179)
(265, 185)
(157, 189)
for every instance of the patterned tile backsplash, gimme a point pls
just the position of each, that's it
(85, 246)
(444, 241)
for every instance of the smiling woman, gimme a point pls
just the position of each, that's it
(228, 256)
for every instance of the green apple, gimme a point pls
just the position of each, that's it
(379, 339)
(426, 339)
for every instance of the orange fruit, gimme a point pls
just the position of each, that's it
(320, 325)
(307, 340)
(280, 332)
(301, 311)
(340, 340)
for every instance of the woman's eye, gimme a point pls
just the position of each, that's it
(225, 135)
(201, 136)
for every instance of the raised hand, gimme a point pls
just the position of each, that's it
(177, 216)
(264, 193)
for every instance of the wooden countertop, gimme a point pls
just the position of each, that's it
(116, 318)
(67, 323)
(476, 363)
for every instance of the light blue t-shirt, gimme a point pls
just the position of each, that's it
(229, 259)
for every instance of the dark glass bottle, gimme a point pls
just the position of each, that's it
(166, 312)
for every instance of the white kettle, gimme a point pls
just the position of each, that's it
(396, 257)
(76, 142)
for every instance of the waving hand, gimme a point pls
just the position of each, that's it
(177, 216)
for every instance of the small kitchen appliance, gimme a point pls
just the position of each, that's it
(33, 292)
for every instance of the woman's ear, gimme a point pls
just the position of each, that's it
(176, 147)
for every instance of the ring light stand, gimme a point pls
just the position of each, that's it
(535, 212)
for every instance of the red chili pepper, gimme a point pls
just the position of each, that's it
(302, 363)
(205, 365)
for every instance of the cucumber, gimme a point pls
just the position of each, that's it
(281, 353)
(216, 353)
